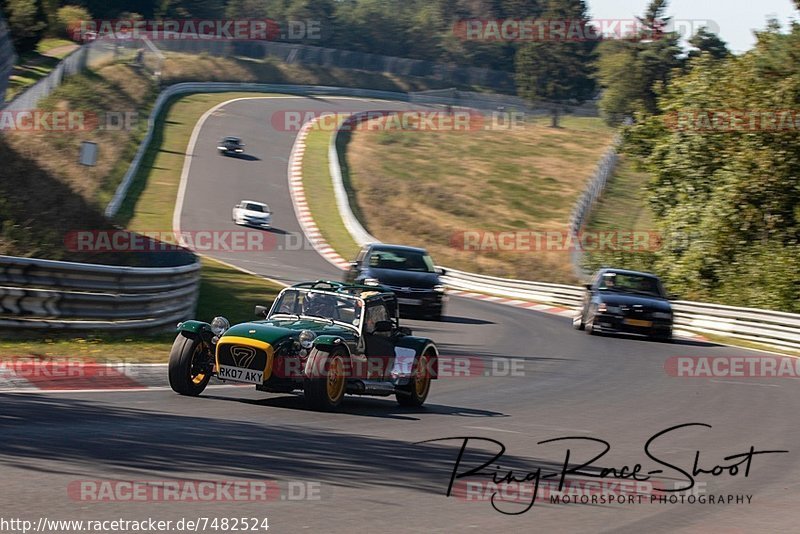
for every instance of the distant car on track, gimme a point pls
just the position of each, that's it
(408, 271)
(324, 338)
(252, 213)
(630, 302)
(230, 146)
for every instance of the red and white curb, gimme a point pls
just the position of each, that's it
(300, 203)
(59, 374)
(32, 374)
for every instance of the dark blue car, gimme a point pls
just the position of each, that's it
(628, 302)
(408, 271)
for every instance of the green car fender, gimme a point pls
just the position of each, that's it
(195, 329)
(318, 358)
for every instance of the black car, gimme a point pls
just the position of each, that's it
(230, 146)
(619, 301)
(407, 271)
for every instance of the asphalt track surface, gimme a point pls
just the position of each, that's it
(371, 474)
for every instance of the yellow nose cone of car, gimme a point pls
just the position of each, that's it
(244, 359)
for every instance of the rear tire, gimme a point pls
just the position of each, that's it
(416, 392)
(326, 393)
(188, 366)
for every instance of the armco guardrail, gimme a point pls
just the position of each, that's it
(778, 329)
(561, 295)
(48, 294)
(772, 328)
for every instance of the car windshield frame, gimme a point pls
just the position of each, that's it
(262, 208)
(426, 259)
(274, 314)
(627, 289)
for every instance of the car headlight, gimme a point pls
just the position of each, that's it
(307, 339)
(439, 288)
(605, 308)
(372, 282)
(662, 315)
(219, 325)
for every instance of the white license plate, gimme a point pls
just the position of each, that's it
(236, 374)
(410, 302)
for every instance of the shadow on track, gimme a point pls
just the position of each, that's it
(384, 408)
(78, 437)
(244, 157)
(464, 320)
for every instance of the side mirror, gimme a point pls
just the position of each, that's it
(441, 271)
(588, 286)
(262, 311)
(354, 265)
(383, 326)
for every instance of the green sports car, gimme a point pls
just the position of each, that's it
(324, 338)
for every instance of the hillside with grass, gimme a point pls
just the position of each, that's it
(622, 210)
(46, 192)
(427, 188)
(43, 181)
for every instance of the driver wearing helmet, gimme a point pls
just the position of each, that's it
(609, 281)
(319, 305)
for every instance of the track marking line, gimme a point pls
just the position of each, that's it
(490, 429)
(717, 381)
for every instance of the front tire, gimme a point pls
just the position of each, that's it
(326, 392)
(662, 338)
(416, 392)
(577, 322)
(189, 371)
(589, 327)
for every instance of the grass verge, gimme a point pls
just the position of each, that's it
(623, 209)
(426, 188)
(34, 66)
(320, 196)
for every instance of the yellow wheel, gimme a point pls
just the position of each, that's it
(416, 392)
(189, 364)
(326, 392)
(336, 379)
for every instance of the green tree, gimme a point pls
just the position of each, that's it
(26, 22)
(732, 191)
(255, 9)
(558, 71)
(311, 17)
(633, 72)
(68, 19)
(197, 9)
(50, 10)
(708, 42)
